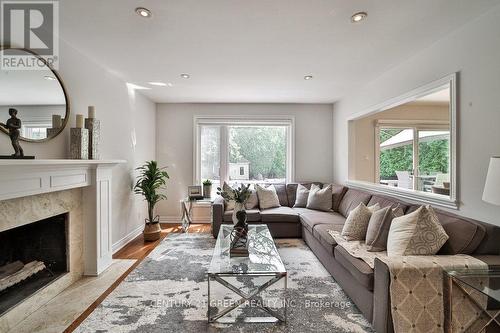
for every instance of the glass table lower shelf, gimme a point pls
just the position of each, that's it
(247, 289)
(481, 289)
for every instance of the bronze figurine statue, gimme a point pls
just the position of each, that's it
(13, 125)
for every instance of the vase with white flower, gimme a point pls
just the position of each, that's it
(239, 195)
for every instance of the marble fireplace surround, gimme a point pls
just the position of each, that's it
(32, 190)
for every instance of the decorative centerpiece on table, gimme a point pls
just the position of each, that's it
(239, 239)
(150, 181)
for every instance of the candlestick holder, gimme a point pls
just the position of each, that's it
(79, 143)
(94, 127)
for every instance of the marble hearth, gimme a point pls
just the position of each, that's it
(81, 190)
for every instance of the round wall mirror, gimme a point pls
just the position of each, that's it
(38, 95)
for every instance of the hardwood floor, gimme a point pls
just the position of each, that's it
(136, 249)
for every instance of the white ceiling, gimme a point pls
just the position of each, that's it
(257, 51)
(438, 97)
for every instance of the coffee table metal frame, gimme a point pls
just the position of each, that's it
(274, 277)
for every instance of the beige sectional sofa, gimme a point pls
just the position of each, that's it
(367, 287)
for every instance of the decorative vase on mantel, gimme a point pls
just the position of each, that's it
(238, 206)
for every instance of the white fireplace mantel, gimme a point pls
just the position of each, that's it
(22, 178)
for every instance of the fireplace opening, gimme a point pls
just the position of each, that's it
(31, 257)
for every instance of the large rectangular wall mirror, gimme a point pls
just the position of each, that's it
(407, 146)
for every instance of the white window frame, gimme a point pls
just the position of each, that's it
(415, 125)
(452, 201)
(253, 120)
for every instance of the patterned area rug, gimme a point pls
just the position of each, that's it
(168, 291)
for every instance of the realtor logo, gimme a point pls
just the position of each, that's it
(31, 25)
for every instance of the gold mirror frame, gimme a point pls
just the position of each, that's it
(68, 108)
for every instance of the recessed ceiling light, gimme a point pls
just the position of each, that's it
(143, 12)
(50, 78)
(170, 84)
(185, 76)
(159, 84)
(308, 77)
(358, 17)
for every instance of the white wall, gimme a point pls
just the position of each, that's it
(122, 113)
(474, 52)
(313, 137)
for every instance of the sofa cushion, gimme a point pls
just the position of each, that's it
(357, 267)
(281, 191)
(320, 198)
(356, 224)
(228, 204)
(301, 196)
(386, 201)
(279, 214)
(253, 200)
(291, 190)
(417, 233)
(268, 197)
(490, 242)
(253, 215)
(313, 218)
(338, 192)
(352, 198)
(322, 235)
(465, 235)
(378, 229)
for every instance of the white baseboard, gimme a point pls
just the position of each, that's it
(125, 240)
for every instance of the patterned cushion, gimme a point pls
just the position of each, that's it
(417, 233)
(357, 222)
(301, 196)
(268, 198)
(320, 199)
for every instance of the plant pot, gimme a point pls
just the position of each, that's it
(152, 231)
(207, 191)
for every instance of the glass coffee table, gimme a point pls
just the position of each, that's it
(485, 283)
(247, 278)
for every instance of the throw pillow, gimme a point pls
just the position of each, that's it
(268, 198)
(231, 203)
(301, 196)
(417, 233)
(356, 224)
(378, 229)
(338, 192)
(320, 198)
(252, 201)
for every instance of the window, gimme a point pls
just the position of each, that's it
(414, 158)
(243, 151)
(407, 147)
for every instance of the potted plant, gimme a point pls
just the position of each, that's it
(239, 195)
(150, 181)
(207, 188)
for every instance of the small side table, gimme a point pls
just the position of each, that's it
(187, 206)
(486, 282)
